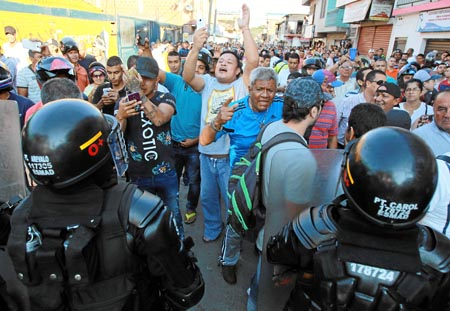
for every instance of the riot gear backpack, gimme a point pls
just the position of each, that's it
(244, 186)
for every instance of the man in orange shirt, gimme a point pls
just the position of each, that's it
(70, 51)
(391, 71)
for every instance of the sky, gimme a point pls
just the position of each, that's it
(261, 9)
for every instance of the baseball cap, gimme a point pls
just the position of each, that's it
(306, 92)
(390, 88)
(321, 74)
(424, 76)
(147, 67)
(399, 118)
(10, 29)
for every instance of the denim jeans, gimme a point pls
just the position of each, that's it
(166, 187)
(189, 159)
(214, 175)
(231, 247)
(252, 301)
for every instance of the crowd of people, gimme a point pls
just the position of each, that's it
(185, 114)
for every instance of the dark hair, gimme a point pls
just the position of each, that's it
(292, 112)
(131, 61)
(31, 53)
(60, 88)
(237, 58)
(422, 55)
(294, 55)
(114, 61)
(294, 75)
(360, 73)
(173, 53)
(419, 83)
(365, 117)
(265, 56)
(371, 75)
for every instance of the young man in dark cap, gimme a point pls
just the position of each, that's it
(387, 96)
(146, 127)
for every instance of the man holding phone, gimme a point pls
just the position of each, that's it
(106, 95)
(147, 131)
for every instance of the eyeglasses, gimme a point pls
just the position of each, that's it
(346, 67)
(379, 82)
(412, 90)
(97, 76)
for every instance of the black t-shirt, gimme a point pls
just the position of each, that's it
(149, 147)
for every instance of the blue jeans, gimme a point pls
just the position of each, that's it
(214, 175)
(166, 187)
(252, 301)
(231, 247)
(189, 158)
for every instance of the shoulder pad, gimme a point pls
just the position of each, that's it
(435, 250)
(144, 206)
(314, 226)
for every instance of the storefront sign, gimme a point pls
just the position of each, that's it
(343, 2)
(434, 21)
(356, 11)
(381, 10)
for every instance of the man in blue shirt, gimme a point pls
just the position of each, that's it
(241, 121)
(185, 130)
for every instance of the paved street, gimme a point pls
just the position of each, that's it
(219, 295)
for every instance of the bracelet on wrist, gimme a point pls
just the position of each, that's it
(211, 123)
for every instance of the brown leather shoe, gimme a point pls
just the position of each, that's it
(229, 274)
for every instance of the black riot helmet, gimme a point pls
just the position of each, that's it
(6, 81)
(54, 67)
(389, 177)
(205, 56)
(68, 44)
(68, 140)
(313, 62)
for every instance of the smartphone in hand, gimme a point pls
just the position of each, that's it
(135, 96)
(200, 23)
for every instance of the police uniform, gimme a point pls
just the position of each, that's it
(365, 251)
(80, 241)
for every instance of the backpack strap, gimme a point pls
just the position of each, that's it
(447, 222)
(278, 139)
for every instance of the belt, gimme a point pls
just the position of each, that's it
(217, 156)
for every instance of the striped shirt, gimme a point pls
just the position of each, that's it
(326, 125)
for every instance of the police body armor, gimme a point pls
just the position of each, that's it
(82, 256)
(380, 279)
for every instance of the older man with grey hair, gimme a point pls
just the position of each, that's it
(241, 121)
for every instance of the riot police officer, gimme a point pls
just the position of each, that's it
(83, 241)
(366, 251)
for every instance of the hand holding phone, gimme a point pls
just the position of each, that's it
(137, 97)
(200, 23)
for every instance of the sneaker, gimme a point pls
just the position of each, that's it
(229, 274)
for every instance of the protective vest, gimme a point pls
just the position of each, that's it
(350, 275)
(77, 261)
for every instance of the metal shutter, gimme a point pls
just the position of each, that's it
(374, 37)
(440, 45)
(365, 40)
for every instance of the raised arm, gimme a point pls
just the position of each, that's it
(251, 50)
(195, 81)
